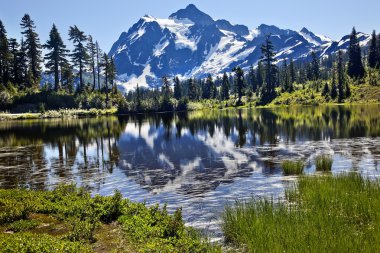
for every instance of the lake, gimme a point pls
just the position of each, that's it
(198, 160)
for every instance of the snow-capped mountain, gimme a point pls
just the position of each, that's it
(191, 43)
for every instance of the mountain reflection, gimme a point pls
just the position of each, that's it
(187, 153)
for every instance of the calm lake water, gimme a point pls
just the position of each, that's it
(198, 160)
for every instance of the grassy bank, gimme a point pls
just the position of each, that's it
(62, 113)
(68, 219)
(320, 214)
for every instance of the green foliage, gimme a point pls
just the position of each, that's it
(320, 214)
(147, 229)
(323, 163)
(293, 167)
(35, 243)
(23, 225)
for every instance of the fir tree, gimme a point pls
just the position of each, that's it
(177, 88)
(91, 48)
(207, 88)
(333, 92)
(98, 63)
(268, 92)
(315, 71)
(15, 74)
(373, 52)
(112, 75)
(79, 55)
(341, 77)
(259, 75)
(33, 50)
(106, 71)
(355, 64)
(67, 77)
(225, 94)
(138, 98)
(192, 89)
(326, 90)
(4, 55)
(57, 55)
(285, 77)
(252, 79)
(292, 74)
(239, 83)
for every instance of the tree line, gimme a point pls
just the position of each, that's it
(21, 63)
(21, 72)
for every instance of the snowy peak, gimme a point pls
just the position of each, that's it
(191, 12)
(314, 39)
(190, 43)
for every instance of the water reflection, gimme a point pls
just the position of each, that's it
(197, 160)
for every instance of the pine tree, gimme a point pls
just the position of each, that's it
(177, 88)
(57, 55)
(333, 92)
(259, 75)
(268, 92)
(341, 78)
(239, 83)
(373, 52)
(225, 94)
(98, 63)
(315, 69)
(91, 48)
(326, 90)
(67, 77)
(252, 79)
(106, 68)
(4, 55)
(79, 55)
(285, 77)
(292, 74)
(192, 89)
(355, 64)
(112, 75)
(138, 98)
(33, 50)
(14, 61)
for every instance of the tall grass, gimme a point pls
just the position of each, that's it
(292, 167)
(320, 214)
(323, 163)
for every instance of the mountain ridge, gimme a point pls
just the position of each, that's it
(190, 43)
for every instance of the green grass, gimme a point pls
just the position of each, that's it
(320, 214)
(323, 163)
(292, 167)
(68, 219)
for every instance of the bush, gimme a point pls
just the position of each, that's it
(323, 163)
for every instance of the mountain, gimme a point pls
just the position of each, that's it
(190, 43)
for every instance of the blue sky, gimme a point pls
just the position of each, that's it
(105, 20)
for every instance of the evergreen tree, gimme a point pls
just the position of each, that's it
(326, 90)
(259, 75)
(285, 82)
(4, 55)
(252, 79)
(192, 89)
(268, 93)
(79, 55)
(315, 69)
(91, 48)
(98, 63)
(57, 55)
(373, 52)
(67, 78)
(15, 74)
(138, 98)
(106, 71)
(166, 93)
(225, 94)
(333, 92)
(239, 83)
(177, 88)
(112, 75)
(207, 88)
(292, 74)
(33, 50)
(355, 64)
(341, 77)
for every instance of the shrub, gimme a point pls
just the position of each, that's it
(22, 225)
